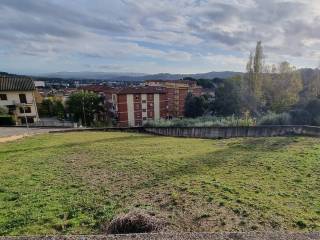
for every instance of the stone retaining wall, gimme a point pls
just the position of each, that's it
(214, 132)
(231, 132)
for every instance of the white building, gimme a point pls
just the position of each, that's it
(17, 95)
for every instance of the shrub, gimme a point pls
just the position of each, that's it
(203, 122)
(313, 107)
(275, 119)
(134, 222)
(300, 117)
(6, 121)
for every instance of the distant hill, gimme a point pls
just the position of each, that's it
(137, 76)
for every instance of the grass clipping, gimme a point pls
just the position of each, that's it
(135, 222)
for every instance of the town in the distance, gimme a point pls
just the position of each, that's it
(124, 104)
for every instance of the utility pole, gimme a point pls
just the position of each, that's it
(83, 110)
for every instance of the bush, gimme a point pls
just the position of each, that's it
(313, 107)
(276, 119)
(134, 222)
(203, 122)
(6, 121)
(300, 117)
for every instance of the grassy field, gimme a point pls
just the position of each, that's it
(74, 183)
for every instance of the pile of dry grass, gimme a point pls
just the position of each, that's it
(135, 222)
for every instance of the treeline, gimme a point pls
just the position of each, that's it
(272, 94)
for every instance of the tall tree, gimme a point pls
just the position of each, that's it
(258, 70)
(313, 87)
(282, 87)
(252, 82)
(227, 99)
(84, 106)
(195, 106)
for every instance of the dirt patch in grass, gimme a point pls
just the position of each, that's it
(11, 138)
(136, 221)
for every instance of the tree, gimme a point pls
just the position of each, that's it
(52, 108)
(84, 106)
(252, 84)
(58, 110)
(255, 69)
(46, 108)
(227, 98)
(313, 87)
(313, 107)
(282, 87)
(195, 106)
(4, 110)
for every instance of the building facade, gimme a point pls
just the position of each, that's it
(137, 105)
(132, 106)
(17, 94)
(177, 91)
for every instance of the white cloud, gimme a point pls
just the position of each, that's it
(210, 33)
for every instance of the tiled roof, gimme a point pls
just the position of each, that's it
(141, 89)
(125, 90)
(15, 83)
(100, 88)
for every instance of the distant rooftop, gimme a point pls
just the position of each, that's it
(173, 81)
(100, 88)
(16, 83)
(141, 89)
(125, 90)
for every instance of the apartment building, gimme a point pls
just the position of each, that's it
(177, 91)
(136, 105)
(133, 106)
(17, 94)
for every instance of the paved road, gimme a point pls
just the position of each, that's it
(17, 131)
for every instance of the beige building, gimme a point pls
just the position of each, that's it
(17, 94)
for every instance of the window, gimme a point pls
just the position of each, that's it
(3, 97)
(137, 97)
(23, 98)
(144, 101)
(29, 119)
(144, 110)
(26, 110)
(144, 118)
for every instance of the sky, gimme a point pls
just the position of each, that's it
(152, 36)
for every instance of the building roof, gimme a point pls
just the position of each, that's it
(141, 90)
(125, 90)
(100, 88)
(173, 81)
(16, 83)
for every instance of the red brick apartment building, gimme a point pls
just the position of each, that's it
(136, 105)
(133, 106)
(177, 91)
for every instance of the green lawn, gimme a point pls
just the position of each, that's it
(74, 183)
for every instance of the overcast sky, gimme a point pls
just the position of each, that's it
(150, 36)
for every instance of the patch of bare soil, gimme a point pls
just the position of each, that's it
(11, 138)
(136, 221)
(186, 213)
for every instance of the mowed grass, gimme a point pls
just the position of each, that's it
(75, 183)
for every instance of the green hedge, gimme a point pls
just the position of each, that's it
(6, 121)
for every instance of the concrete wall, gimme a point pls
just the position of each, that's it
(231, 132)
